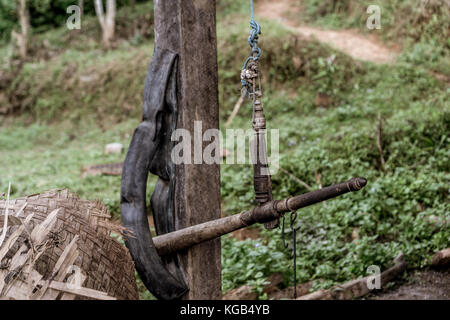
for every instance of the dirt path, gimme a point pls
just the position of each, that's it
(426, 285)
(361, 47)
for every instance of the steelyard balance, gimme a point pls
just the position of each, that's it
(183, 260)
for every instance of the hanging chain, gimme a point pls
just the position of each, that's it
(292, 218)
(251, 86)
(254, 54)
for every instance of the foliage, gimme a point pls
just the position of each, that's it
(227, 8)
(249, 262)
(46, 15)
(7, 18)
(404, 208)
(53, 157)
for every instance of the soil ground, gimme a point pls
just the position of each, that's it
(423, 285)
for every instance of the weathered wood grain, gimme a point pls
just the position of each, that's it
(187, 237)
(188, 27)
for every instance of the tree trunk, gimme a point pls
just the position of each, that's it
(81, 5)
(108, 21)
(24, 20)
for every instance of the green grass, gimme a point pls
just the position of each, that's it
(65, 123)
(91, 83)
(41, 157)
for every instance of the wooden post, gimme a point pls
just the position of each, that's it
(188, 27)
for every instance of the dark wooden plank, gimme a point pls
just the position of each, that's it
(188, 27)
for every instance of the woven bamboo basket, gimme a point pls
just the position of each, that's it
(51, 231)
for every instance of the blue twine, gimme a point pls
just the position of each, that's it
(252, 41)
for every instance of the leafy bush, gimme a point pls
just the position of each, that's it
(46, 15)
(249, 262)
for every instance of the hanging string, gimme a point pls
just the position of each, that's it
(255, 31)
(251, 10)
(255, 52)
(292, 219)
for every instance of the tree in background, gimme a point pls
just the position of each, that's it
(81, 5)
(24, 21)
(107, 22)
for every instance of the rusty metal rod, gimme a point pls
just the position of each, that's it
(190, 236)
